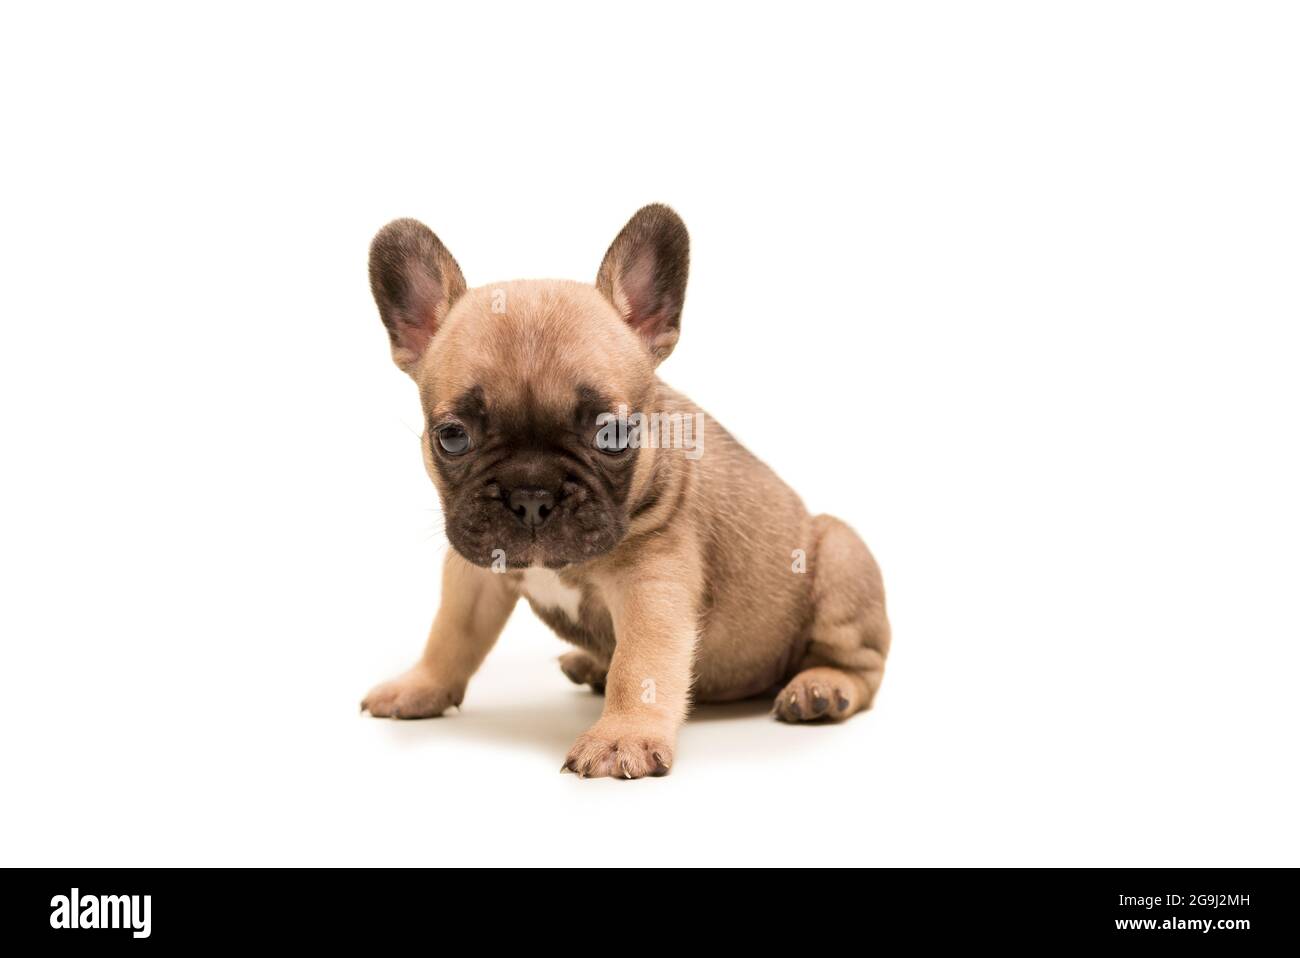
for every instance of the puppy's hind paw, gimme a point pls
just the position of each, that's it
(817, 694)
(582, 668)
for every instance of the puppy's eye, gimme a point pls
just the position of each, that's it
(454, 440)
(612, 440)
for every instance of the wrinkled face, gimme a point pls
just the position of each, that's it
(528, 486)
(518, 379)
(513, 436)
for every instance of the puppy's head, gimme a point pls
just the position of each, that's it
(518, 379)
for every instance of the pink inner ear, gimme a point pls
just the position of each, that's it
(414, 339)
(423, 315)
(635, 295)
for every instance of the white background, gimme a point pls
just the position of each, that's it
(1010, 287)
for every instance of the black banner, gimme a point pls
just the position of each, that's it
(1224, 909)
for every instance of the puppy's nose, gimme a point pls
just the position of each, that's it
(532, 506)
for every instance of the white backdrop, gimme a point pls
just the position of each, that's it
(1010, 287)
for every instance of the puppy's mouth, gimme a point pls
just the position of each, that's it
(501, 528)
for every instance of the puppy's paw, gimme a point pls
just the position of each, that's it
(620, 750)
(582, 668)
(413, 694)
(815, 694)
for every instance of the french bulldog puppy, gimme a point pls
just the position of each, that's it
(682, 569)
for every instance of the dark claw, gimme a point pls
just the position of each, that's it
(660, 769)
(819, 704)
(841, 703)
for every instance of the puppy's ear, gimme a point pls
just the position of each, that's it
(644, 276)
(415, 282)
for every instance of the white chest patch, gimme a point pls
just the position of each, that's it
(544, 587)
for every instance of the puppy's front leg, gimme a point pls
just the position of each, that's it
(475, 606)
(647, 691)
